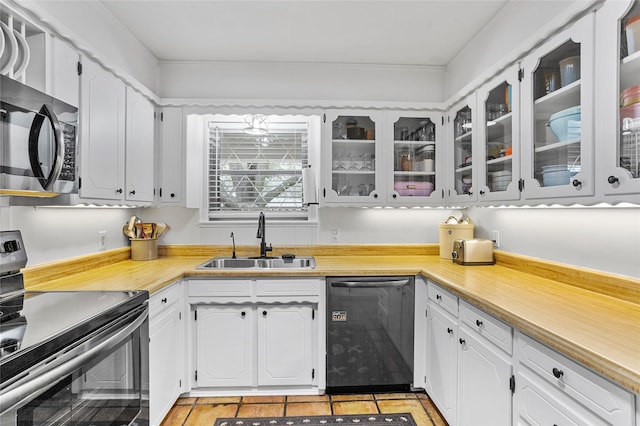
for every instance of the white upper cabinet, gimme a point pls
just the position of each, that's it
(171, 153)
(498, 160)
(102, 133)
(140, 154)
(618, 100)
(462, 152)
(418, 141)
(558, 116)
(65, 79)
(354, 162)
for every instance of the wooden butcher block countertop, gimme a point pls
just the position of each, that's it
(589, 316)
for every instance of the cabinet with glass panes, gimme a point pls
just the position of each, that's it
(499, 170)
(351, 149)
(557, 115)
(416, 144)
(618, 125)
(461, 150)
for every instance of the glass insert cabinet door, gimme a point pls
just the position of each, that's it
(353, 156)
(415, 146)
(499, 170)
(558, 115)
(620, 109)
(461, 151)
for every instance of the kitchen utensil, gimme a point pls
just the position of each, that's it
(630, 96)
(24, 55)
(554, 175)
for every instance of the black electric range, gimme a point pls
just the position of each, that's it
(41, 327)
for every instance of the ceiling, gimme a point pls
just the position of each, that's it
(390, 32)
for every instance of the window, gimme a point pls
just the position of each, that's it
(255, 164)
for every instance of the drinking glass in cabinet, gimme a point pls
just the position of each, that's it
(557, 112)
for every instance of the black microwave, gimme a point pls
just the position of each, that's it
(38, 137)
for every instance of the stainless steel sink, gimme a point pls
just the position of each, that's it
(259, 263)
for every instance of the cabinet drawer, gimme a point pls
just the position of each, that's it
(163, 300)
(223, 288)
(443, 298)
(492, 329)
(606, 399)
(288, 287)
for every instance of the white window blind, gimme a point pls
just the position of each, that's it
(250, 173)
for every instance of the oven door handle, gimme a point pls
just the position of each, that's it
(370, 284)
(40, 381)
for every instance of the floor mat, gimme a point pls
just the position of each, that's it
(403, 419)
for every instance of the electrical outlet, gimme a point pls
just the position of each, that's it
(102, 240)
(495, 236)
(335, 235)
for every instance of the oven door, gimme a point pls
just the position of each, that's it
(102, 380)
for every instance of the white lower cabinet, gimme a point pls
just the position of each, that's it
(484, 376)
(552, 389)
(468, 376)
(252, 335)
(224, 345)
(166, 349)
(442, 361)
(284, 345)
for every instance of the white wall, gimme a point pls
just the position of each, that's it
(54, 233)
(301, 81)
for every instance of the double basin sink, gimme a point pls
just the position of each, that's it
(284, 262)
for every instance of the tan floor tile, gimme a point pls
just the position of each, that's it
(408, 395)
(361, 397)
(219, 400)
(308, 409)
(309, 398)
(260, 399)
(433, 412)
(186, 401)
(261, 410)
(176, 415)
(354, 407)
(208, 414)
(406, 406)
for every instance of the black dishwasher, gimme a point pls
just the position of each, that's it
(370, 334)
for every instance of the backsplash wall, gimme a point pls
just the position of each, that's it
(587, 237)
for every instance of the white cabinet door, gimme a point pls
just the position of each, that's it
(498, 158)
(165, 363)
(102, 133)
(172, 171)
(354, 161)
(65, 81)
(414, 142)
(558, 116)
(442, 361)
(462, 152)
(285, 345)
(617, 128)
(224, 345)
(139, 148)
(484, 394)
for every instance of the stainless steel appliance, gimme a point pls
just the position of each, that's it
(38, 141)
(70, 358)
(370, 334)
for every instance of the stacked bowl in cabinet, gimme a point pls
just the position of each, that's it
(630, 126)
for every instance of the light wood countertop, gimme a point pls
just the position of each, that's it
(602, 331)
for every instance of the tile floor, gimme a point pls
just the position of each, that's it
(205, 411)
